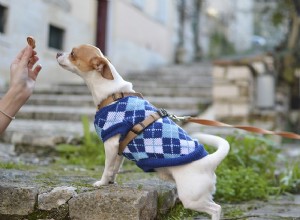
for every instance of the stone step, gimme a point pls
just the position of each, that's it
(49, 112)
(42, 133)
(86, 101)
(180, 103)
(72, 89)
(175, 92)
(169, 84)
(170, 79)
(67, 113)
(192, 69)
(148, 89)
(61, 100)
(43, 128)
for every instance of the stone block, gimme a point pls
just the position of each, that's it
(238, 73)
(225, 91)
(55, 198)
(112, 202)
(269, 60)
(239, 109)
(245, 91)
(167, 192)
(218, 72)
(17, 200)
(222, 109)
(259, 67)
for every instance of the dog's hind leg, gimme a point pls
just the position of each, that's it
(111, 157)
(211, 208)
(195, 184)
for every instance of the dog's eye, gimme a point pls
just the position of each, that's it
(72, 54)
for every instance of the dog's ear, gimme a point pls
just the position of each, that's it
(101, 65)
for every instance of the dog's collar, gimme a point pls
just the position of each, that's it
(116, 96)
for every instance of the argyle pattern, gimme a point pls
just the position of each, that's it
(161, 144)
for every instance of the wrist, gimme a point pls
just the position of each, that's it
(18, 94)
(13, 100)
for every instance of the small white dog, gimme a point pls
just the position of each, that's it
(159, 145)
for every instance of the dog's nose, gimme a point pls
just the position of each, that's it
(59, 54)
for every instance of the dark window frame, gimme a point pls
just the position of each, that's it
(3, 18)
(56, 37)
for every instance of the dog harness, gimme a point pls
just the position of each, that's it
(161, 144)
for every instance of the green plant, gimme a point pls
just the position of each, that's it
(250, 171)
(289, 180)
(88, 154)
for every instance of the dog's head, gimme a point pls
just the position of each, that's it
(86, 59)
(96, 70)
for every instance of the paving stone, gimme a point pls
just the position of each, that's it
(17, 201)
(114, 203)
(56, 197)
(167, 192)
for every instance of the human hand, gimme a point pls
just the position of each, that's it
(23, 74)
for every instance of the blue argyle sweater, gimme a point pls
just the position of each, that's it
(161, 144)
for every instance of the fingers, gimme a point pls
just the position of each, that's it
(28, 52)
(32, 61)
(33, 74)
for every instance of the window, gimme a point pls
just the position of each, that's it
(56, 37)
(3, 17)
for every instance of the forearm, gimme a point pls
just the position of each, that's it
(11, 103)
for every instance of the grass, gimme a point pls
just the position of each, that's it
(89, 154)
(16, 166)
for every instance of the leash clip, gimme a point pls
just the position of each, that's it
(163, 113)
(179, 118)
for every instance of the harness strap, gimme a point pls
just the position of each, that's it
(139, 128)
(116, 96)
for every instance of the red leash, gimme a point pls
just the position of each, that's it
(246, 128)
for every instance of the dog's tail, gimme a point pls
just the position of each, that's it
(221, 144)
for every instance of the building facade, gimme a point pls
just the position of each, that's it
(141, 34)
(136, 35)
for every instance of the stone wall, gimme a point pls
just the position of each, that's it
(236, 92)
(232, 91)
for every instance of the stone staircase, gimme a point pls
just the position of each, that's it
(53, 113)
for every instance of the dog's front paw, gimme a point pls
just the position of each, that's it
(100, 183)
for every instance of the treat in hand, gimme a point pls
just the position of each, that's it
(31, 42)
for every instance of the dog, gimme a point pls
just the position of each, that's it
(193, 173)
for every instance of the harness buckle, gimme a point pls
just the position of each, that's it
(117, 96)
(162, 112)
